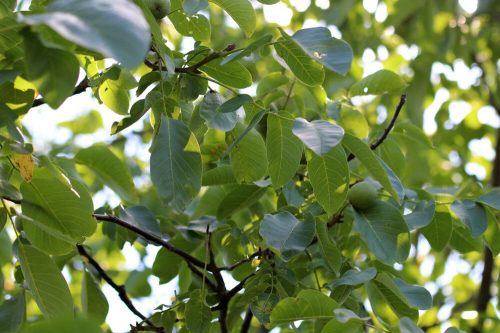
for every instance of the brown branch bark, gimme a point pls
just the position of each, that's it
(120, 289)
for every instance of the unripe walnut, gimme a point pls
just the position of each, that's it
(362, 195)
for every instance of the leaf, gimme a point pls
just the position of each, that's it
(24, 162)
(270, 83)
(302, 66)
(408, 131)
(141, 217)
(13, 313)
(284, 150)
(198, 314)
(54, 72)
(175, 163)
(116, 29)
(9, 192)
(318, 43)
(393, 178)
(86, 124)
(94, 303)
(137, 110)
(354, 277)
(241, 12)
(308, 305)
(234, 103)
(193, 6)
(366, 156)
(329, 176)
(345, 315)
(285, 233)
(233, 74)
(63, 324)
(112, 171)
(114, 89)
(422, 215)
(472, 214)
(243, 196)
(335, 326)
(249, 157)
(462, 240)
(247, 51)
(439, 231)
(329, 251)
(166, 265)
(379, 227)
(378, 83)
(54, 298)
(218, 176)
(319, 135)
(406, 325)
(196, 26)
(491, 199)
(417, 296)
(209, 110)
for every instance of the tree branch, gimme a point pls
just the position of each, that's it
(388, 129)
(256, 254)
(245, 327)
(81, 87)
(153, 238)
(120, 289)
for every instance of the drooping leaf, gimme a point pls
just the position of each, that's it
(379, 227)
(318, 135)
(286, 233)
(329, 176)
(242, 13)
(318, 43)
(166, 265)
(117, 29)
(378, 83)
(472, 214)
(249, 156)
(491, 199)
(308, 305)
(439, 231)
(284, 150)
(329, 251)
(54, 72)
(175, 163)
(94, 303)
(209, 110)
(354, 277)
(198, 314)
(417, 296)
(422, 215)
(54, 298)
(112, 171)
(302, 66)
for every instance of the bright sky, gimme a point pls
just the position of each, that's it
(42, 123)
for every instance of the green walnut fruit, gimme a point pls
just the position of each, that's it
(362, 195)
(159, 8)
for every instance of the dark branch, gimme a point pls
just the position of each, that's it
(151, 237)
(245, 327)
(388, 129)
(202, 275)
(81, 87)
(120, 289)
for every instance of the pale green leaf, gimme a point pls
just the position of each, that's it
(196, 26)
(198, 314)
(318, 135)
(94, 303)
(209, 110)
(241, 12)
(378, 83)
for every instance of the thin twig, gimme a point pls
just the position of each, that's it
(120, 289)
(388, 129)
(245, 327)
(81, 87)
(256, 254)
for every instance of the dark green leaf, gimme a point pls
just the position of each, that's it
(210, 111)
(234, 103)
(238, 199)
(472, 214)
(417, 296)
(12, 313)
(406, 325)
(198, 314)
(439, 231)
(422, 215)
(166, 265)
(491, 199)
(218, 176)
(329, 251)
(94, 303)
(353, 277)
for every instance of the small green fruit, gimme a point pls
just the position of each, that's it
(159, 8)
(362, 195)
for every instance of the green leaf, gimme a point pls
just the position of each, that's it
(302, 66)
(8, 191)
(284, 150)
(85, 124)
(393, 178)
(406, 325)
(233, 74)
(379, 227)
(54, 298)
(218, 176)
(166, 265)
(196, 26)
(116, 29)
(63, 324)
(318, 135)
(54, 72)
(209, 110)
(439, 231)
(462, 240)
(409, 132)
(112, 171)
(198, 314)
(318, 43)
(175, 163)
(472, 214)
(243, 196)
(193, 6)
(285, 233)
(378, 83)
(270, 83)
(12, 313)
(234, 103)
(491, 199)
(335, 326)
(94, 303)
(137, 110)
(247, 51)
(114, 89)
(329, 176)
(422, 215)
(249, 157)
(308, 305)
(241, 12)
(141, 217)
(366, 156)
(329, 251)
(354, 277)
(417, 296)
